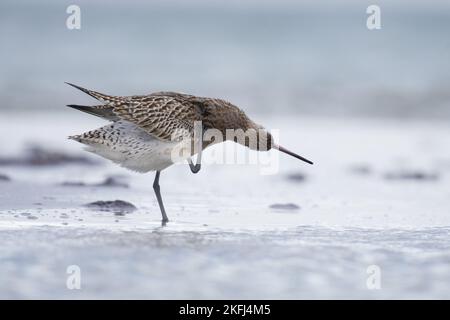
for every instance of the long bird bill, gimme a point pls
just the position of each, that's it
(284, 150)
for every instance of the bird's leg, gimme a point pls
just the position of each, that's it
(196, 168)
(158, 196)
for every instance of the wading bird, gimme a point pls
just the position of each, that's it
(146, 129)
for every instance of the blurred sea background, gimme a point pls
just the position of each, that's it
(274, 57)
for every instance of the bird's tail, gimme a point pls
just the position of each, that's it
(102, 111)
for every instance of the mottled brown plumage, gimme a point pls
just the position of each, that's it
(147, 130)
(168, 115)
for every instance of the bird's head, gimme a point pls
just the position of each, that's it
(238, 127)
(263, 141)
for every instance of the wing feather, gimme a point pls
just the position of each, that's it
(166, 117)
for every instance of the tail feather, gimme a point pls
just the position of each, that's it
(96, 95)
(101, 111)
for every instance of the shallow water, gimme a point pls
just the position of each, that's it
(304, 262)
(224, 239)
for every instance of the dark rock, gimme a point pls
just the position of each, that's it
(113, 182)
(360, 169)
(118, 207)
(108, 182)
(38, 156)
(284, 206)
(4, 177)
(412, 176)
(73, 184)
(297, 177)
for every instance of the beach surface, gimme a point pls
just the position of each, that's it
(378, 196)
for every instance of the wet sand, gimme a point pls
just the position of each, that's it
(378, 194)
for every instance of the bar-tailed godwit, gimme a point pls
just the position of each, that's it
(146, 129)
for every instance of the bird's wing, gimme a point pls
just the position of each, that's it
(166, 116)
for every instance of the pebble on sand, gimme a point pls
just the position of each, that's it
(297, 177)
(108, 182)
(412, 176)
(118, 207)
(4, 177)
(39, 156)
(360, 169)
(284, 206)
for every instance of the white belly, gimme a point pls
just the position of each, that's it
(131, 147)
